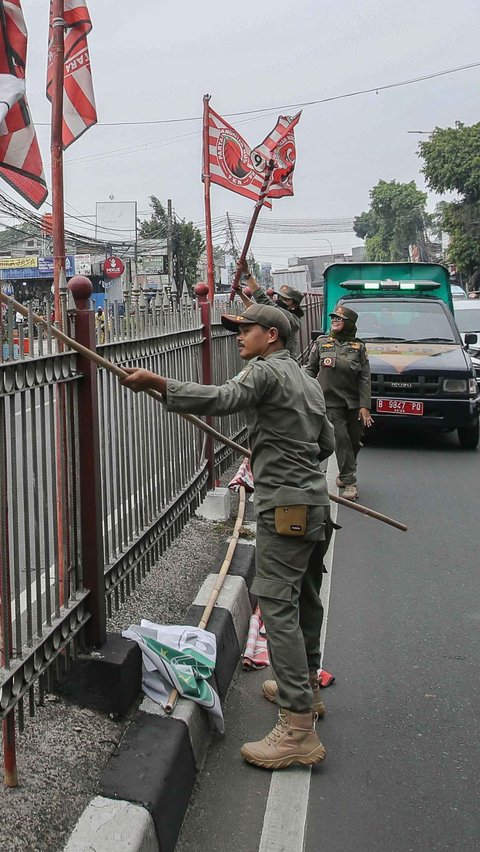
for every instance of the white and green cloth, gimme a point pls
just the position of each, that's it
(178, 657)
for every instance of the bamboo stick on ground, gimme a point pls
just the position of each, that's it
(173, 697)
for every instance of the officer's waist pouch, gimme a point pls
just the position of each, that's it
(291, 520)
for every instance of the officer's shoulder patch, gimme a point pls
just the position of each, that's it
(356, 344)
(327, 343)
(243, 373)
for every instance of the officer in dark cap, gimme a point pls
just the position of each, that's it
(289, 436)
(288, 300)
(340, 362)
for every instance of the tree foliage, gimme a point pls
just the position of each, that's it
(188, 244)
(396, 218)
(451, 158)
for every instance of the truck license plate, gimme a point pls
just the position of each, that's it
(399, 406)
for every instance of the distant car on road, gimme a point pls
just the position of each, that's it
(467, 317)
(457, 292)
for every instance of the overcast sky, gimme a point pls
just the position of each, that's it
(155, 59)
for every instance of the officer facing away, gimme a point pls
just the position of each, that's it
(289, 436)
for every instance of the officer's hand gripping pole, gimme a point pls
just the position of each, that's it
(118, 371)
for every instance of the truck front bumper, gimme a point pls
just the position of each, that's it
(437, 413)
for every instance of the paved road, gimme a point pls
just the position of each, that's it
(402, 728)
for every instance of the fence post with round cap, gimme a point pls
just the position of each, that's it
(89, 451)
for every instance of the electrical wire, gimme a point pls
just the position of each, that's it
(354, 94)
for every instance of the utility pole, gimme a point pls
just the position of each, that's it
(169, 243)
(232, 238)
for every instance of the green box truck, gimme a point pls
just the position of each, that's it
(421, 372)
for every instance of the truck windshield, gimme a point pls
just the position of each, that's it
(402, 321)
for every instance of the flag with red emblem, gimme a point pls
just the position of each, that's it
(20, 159)
(279, 145)
(229, 159)
(79, 110)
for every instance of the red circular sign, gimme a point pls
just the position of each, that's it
(113, 267)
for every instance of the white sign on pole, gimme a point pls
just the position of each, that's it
(116, 221)
(83, 264)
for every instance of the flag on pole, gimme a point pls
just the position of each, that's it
(79, 110)
(20, 159)
(279, 145)
(236, 166)
(229, 159)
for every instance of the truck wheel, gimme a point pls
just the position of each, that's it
(469, 436)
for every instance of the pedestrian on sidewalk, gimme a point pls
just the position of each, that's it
(289, 436)
(288, 300)
(340, 362)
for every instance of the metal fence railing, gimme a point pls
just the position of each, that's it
(42, 594)
(96, 481)
(73, 441)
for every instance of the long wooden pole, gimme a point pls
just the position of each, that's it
(56, 152)
(172, 698)
(56, 48)
(107, 365)
(248, 239)
(206, 193)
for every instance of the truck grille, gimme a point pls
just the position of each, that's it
(421, 386)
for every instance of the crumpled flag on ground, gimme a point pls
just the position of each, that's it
(255, 655)
(178, 657)
(243, 476)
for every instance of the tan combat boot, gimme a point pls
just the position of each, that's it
(293, 740)
(270, 692)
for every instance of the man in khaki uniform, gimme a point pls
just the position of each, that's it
(289, 437)
(340, 362)
(288, 300)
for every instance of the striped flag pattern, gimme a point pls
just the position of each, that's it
(79, 110)
(229, 158)
(279, 145)
(20, 159)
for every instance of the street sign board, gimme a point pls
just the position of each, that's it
(113, 267)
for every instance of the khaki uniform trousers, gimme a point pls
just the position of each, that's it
(348, 434)
(288, 580)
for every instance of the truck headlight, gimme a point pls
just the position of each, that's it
(472, 386)
(455, 385)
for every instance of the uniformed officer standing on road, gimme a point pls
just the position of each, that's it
(340, 362)
(288, 300)
(289, 437)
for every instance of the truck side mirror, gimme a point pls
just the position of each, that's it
(471, 339)
(315, 334)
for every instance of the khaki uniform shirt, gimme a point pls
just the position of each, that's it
(343, 370)
(287, 424)
(292, 343)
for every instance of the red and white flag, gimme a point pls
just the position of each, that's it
(236, 166)
(79, 110)
(279, 145)
(20, 159)
(230, 163)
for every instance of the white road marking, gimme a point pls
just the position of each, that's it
(286, 812)
(287, 804)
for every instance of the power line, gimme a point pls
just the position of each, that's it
(374, 89)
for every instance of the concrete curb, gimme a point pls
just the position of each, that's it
(146, 787)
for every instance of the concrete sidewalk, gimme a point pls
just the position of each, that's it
(146, 787)
(63, 751)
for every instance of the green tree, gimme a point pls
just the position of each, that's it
(451, 158)
(396, 218)
(188, 244)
